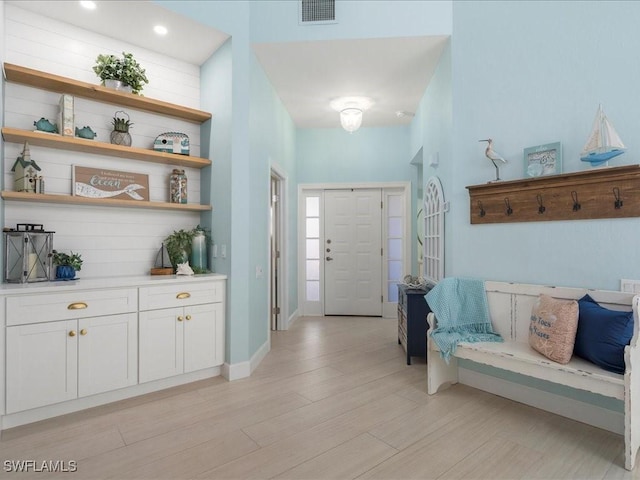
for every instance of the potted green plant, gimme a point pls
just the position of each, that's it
(180, 244)
(125, 70)
(120, 134)
(67, 264)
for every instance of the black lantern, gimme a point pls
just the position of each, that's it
(28, 254)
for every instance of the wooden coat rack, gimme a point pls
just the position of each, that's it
(609, 192)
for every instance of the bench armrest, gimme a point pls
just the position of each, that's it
(431, 320)
(635, 305)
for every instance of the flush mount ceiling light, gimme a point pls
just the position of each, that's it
(351, 109)
(88, 5)
(160, 29)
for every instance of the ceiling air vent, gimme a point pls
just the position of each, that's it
(317, 11)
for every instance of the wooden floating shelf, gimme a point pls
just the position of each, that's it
(56, 83)
(103, 202)
(75, 144)
(609, 192)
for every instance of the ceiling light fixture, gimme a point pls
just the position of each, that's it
(160, 29)
(88, 5)
(351, 109)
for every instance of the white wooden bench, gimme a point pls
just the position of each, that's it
(510, 310)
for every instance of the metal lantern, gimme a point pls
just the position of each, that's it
(28, 254)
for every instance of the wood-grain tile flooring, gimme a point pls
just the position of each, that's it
(334, 399)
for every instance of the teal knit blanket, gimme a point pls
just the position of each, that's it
(462, 313)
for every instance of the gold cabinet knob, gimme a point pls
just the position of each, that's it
(188, 317)
(183, 295)
(180, 318)
(72, 333)
(83, 331)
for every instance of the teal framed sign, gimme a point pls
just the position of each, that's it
(543, 160)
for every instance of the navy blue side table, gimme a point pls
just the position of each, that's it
(412, 321)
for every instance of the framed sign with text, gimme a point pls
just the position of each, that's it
(543, 160)
(105, 183)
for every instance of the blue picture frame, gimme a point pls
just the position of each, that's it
(543, 160)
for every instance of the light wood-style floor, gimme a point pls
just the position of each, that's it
(334, 399)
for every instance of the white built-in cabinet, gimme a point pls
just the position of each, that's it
(52, 362)
(62, 346)
(67, 344)
(178, 340)
(181, 330)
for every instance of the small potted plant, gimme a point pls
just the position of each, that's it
(120, 134)
(126, 70)
(67, 264)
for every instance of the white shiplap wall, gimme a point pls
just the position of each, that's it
(112, 241)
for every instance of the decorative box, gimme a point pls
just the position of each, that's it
(65, 115)
(172, 142)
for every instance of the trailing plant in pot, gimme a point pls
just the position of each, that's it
(126, 70)
(67, 264)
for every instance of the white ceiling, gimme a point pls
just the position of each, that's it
(133, 22)
(394, 72)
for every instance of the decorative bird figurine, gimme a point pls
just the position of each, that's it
(492, 155)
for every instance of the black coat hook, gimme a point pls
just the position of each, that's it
(616, 193)
(482, 211)
(541, 207)
(574, 197)
(509, 210)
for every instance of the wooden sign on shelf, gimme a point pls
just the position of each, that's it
(103, 183)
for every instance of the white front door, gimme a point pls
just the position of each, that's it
(352, 252)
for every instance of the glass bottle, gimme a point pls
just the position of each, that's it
(199, 252)
(178, 187)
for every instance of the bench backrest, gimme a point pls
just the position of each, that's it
(510, 304)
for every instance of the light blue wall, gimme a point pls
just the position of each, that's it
(527, 73)
(233, 197)
(277, 20)
(272, 140)
(331, 155)
(216, 92)
(251, 130)
(431, 136)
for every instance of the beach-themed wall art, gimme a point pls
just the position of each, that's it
(104, 183)
(543, 160)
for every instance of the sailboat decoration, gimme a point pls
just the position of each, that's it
(603, 144)
(163, 263)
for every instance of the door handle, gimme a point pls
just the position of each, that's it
(329, 259)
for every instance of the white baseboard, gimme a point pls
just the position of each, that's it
(240, 370)
(566, 407)
(63, 408)
(292, 318)
(257, 357)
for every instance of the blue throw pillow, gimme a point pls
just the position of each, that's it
(602, 334)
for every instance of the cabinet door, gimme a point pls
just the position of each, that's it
(203, 330)
(42, 364)
(107, 353)
(161, 344)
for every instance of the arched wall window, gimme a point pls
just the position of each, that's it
(434, 209)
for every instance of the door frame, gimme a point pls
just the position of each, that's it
(283, 291)
(389, 309)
